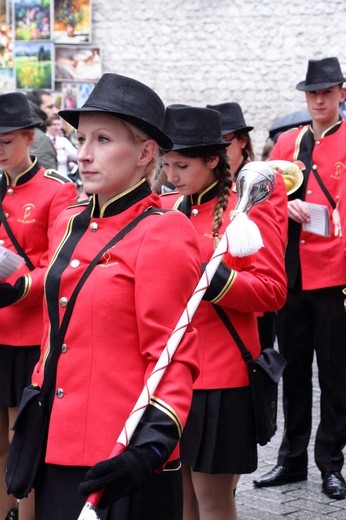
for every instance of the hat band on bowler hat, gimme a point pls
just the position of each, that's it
(228, 130)
(312, 87)
(194, 141)
(19, 126)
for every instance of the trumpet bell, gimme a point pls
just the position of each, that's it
(291, 173)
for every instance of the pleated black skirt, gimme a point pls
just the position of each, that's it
(219, 436)
(57, 496)
(16, 367)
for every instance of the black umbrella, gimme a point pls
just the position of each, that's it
(291, 120)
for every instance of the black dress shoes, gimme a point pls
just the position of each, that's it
(279, 476)
(334, 485)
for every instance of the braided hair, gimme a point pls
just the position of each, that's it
(223, 176)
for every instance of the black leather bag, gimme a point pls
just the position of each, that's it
(264, 375)
(28, 446)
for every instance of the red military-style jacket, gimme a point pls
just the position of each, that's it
(321, 259)
(279, 201)
(250, 286)
(31, 204)
(121, 322)
(342, 206)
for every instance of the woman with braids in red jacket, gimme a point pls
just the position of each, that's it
(219, 441)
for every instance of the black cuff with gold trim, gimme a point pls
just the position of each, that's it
(159, 427)
(220, 283)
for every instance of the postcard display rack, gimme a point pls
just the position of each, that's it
(47, 44)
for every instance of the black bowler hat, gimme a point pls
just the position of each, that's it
(127, 99)
(193, 127)
(232, 118)
(15, 113)
(322, 74)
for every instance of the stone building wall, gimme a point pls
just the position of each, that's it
(210, 51)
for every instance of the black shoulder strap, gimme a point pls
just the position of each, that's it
(52, 360)
(13, 239)
(307, 143)
(231, 329)
(323, 187)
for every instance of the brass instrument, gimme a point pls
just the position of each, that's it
(292, 174)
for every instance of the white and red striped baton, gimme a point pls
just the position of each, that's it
(255, 183)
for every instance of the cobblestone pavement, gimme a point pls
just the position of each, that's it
(298, 501)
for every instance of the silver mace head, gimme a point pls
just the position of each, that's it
(255, 183)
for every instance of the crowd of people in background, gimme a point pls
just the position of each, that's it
(71, 180)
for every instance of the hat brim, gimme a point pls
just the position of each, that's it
(211, 146)
(72, 117)
(302, 86)
(241, 129)
(8, 129)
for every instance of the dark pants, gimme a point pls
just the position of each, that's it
(313, 322)
(266, 329)
(57, 497)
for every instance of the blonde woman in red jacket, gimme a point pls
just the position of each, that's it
(219, 441)
(32, 199)
(123, 317)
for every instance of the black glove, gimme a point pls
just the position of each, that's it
(121, 475)
(11, 293)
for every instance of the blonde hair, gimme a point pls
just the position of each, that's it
(138, 136)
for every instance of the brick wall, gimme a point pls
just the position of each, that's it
(210, 51)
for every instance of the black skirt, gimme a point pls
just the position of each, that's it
(57, 496)
(219, 436)
(16, 367)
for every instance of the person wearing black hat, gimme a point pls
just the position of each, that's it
(31, 200)
(219, 441)
(240, 151)
(124, 314)
(237, 133)
(313, 321)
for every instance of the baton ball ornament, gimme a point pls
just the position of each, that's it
(255, 183)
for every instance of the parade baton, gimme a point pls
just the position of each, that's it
(255, 183)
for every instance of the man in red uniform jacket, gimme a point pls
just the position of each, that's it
(313, 321)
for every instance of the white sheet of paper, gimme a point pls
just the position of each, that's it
(319, 219)
(9, 263)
